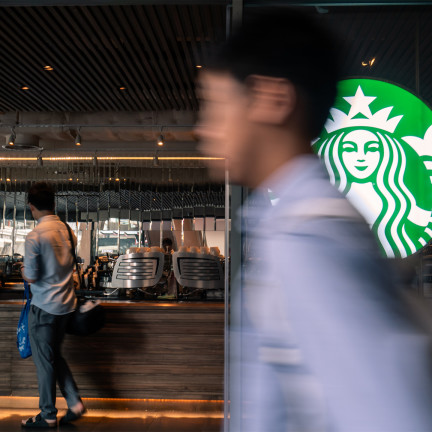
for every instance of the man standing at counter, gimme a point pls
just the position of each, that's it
(48, 266)
(326, 345)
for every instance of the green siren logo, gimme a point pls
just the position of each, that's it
(377, 148)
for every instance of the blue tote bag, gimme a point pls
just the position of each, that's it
(23, 339)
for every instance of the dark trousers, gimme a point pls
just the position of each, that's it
(46, 336)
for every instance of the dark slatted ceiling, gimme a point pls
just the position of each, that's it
(152, 51)
(388, 34)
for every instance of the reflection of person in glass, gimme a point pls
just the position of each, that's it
(167, 245)
(368, 166)
(317, 335)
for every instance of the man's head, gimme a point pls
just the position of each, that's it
(41, 198)
(167, 244)
(267, 93)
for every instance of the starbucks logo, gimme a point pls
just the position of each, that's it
(377, 148)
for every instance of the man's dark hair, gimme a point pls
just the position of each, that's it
(167, 242)
(42, 196)
(285, 43)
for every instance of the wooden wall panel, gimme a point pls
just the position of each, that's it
(146, 350)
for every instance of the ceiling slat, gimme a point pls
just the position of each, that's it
(101, 56)
(166, 54)
(199, 31)
(75, 58)
(95, 51)
(28, 72)
(44, 47)
(144, 69)
(149, 60)
(159, 59)
(186, 77)
(126, 55)
(191, 64)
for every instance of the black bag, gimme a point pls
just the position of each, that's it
(89, 317)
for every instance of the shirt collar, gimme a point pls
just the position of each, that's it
(291, 175)
(286, 182)
(48, 218)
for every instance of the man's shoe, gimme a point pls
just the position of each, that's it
(38, 423)
(71, 416)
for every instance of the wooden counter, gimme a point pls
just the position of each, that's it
(146, 350)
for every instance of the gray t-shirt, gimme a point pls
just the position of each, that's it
(48, 260)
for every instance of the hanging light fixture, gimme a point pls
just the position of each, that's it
(160, 141)
(12, 137)
(78, 138)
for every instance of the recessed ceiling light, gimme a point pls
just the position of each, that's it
(122, 88)
(48, 68)
(25, 88)
(198, 66)
(369, 63)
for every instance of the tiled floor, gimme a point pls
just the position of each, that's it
(120, 421)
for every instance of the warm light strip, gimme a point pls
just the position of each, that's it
(129, 399)
(159, 400)
(68, 158)
(120, 414)
(19, 159)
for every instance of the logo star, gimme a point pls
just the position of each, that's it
(360, 103)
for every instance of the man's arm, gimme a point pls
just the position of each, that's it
(24, 276)
(30, 269)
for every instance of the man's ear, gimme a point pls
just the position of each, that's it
(273, 100)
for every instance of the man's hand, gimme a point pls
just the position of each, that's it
(22, 275)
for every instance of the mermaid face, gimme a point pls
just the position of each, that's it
(361, 153)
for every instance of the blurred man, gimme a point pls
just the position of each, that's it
(328, 347)
(48, 266)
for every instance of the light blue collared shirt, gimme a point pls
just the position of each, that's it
(327, 347)
(48, 260)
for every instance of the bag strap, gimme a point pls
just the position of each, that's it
(26, 291)
(74, 254)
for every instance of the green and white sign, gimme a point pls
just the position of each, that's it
(377, 147)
